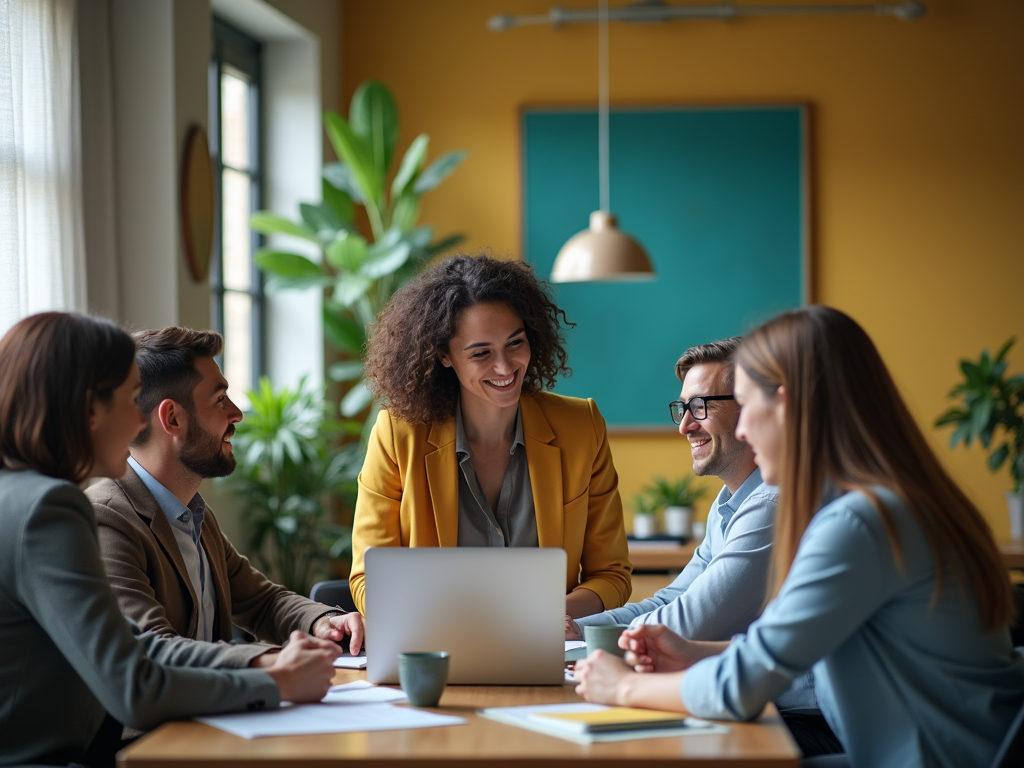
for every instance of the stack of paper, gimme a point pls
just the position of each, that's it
(587, 723)
(337, 713)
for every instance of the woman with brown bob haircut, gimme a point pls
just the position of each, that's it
(470, 450)
(887, 582)
(68, 385)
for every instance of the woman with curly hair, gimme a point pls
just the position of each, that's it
(470, 450)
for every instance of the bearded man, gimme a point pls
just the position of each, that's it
(172, 569)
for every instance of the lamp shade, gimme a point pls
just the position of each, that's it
(601, 253)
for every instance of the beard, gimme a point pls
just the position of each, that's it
(725, 451)
(203, 453)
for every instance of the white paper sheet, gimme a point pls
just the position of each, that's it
(327, 718)
(572, 645)
(350, 662)
(362, 692)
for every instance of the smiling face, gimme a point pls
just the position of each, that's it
(761, 424)
(113, 425)
(207, 450)
(714, 447)
(489, 354)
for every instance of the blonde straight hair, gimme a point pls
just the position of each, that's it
(846, 424)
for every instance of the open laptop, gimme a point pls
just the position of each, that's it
(499, 613)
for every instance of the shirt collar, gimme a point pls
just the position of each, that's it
(734, 500)
(169, 504)
(462, 444)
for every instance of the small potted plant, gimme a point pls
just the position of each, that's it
(644, 516)
(677, 498)
(991, 410)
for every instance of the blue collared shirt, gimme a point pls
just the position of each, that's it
(186, 524)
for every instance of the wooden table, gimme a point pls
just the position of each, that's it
(652, 558)
(480, 742)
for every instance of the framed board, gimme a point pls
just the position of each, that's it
(719, 198)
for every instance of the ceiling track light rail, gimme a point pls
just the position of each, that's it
(657, 11)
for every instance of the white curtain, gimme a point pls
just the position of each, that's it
(42, 255)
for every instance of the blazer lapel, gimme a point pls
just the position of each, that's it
(145, 505)
(209, 537)
(545, 463)
(443, 481)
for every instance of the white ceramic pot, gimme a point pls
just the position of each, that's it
(1015, 502)
(643, 526)
(678, 521)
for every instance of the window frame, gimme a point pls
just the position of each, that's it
(234, 50)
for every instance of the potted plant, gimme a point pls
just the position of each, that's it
(677, 498)
(991, 410)
(290, 474)
(644, 516)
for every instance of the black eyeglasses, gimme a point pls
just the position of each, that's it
(697, 406)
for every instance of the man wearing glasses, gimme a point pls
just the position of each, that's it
(722, 589)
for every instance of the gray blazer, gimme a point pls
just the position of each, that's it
(69, 654)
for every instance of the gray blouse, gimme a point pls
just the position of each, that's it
(514, 522)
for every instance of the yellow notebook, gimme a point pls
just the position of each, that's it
(613, 719)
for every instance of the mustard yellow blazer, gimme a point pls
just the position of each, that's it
(409, 492)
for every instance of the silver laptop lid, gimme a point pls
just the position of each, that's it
(499, 612)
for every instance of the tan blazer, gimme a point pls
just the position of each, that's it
(409, 492)
(148, 574)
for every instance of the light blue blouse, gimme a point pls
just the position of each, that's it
(902, 683)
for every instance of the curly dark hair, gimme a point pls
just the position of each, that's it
(403, 365)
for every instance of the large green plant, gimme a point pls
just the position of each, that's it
(991, 410)
(360, 274)
(289, 476)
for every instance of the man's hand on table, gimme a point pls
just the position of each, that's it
(337, 627)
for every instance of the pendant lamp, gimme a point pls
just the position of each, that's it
(602, 253)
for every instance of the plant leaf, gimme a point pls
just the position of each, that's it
(349, 289)
(385, 261)
(338, 201)
(339, 176)
(356, 399)
(406, 211)
(412, 161)
(373, 116)
(348, 252)
(290, 265)
(1004, 349)
(998, 456)
(267, 223)
(438, 171)
(321, 219)
(980, 415)
(344, 332)
(447, 243)
(348, 370)
(357, 155)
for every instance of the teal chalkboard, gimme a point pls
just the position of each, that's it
(717, 196)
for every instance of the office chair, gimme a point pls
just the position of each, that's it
(333, 592)
(1011, 751)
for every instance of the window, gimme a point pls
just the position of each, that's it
(236, 284)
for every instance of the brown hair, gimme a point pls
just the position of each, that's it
(51, 366)
(831, 371)
(714, 352)
(403, 365)
(167, 366)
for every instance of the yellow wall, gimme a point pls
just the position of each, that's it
(918, 154)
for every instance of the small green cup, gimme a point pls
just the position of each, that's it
(605, 637)
(423, 676)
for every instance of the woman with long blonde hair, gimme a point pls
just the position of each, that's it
(887, 582)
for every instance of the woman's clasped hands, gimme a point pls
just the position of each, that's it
(604, 678)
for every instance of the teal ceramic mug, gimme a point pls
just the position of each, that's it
(423, 676)
(605, 637)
